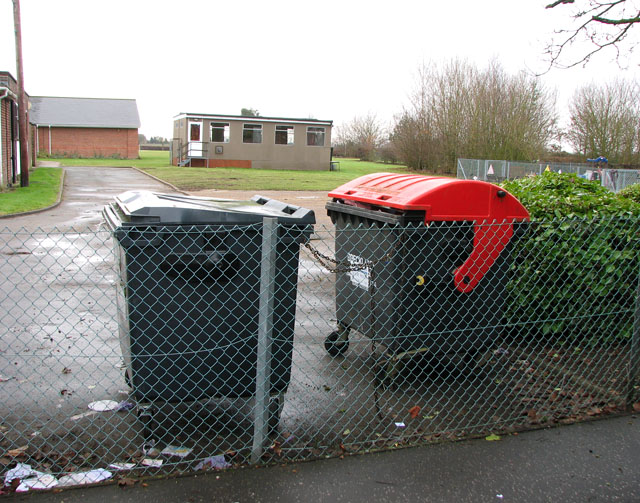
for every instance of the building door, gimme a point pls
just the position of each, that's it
(196, 145)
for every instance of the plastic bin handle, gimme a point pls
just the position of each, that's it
(488, 243)
(208, 267)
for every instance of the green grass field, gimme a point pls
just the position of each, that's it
(148, 158)
(260, 179)
(43, 189)
(189, 179)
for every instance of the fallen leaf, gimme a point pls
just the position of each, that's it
(533, 415)
(17, 453)
(636, 406)
(492, 438)
(276, 448)
(126, 482)
(414, 411)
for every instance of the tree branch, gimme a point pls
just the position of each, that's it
(605, 20)
(593, 13)
(558, 2)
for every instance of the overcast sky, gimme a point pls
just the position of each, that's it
(328, 59)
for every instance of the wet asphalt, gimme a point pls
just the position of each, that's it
(86, 191)
(596, 461)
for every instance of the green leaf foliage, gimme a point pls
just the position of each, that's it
(575, 268)
(556, 195)
(631, 192)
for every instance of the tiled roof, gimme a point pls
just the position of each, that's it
(83, 112)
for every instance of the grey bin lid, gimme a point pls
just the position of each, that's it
(141, 207)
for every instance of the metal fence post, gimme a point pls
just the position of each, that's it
(265, 336)
(634, 351)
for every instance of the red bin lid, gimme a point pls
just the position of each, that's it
(439, 197)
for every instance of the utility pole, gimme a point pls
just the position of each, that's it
(23, 119)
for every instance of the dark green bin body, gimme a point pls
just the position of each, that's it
(386, 303)
(189, 292)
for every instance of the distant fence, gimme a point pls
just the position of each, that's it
(498, 171)
(155, 147)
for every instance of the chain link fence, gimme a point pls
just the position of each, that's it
(164, 350)
(496, 171)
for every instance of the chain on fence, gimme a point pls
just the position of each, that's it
(162, 350)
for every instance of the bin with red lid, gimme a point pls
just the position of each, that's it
(423, 261)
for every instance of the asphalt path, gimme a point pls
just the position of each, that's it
(589, 462)
(86, 191)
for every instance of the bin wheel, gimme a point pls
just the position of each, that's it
(275, 410)
(146, 415)
(337, 342)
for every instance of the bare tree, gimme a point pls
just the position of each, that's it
(412, 140)
(605, 120)
(361, 137)
(413, 135)
(512, 116)
(457, 110)
(596, 25)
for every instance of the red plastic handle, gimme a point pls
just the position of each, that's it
(488, 243)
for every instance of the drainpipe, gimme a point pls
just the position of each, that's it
(5, 92)
(49, 140)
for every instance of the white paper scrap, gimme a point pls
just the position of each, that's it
(82, 478)
(122, 466)
(43, 481)
(153, 463)
(173, 450)
(103, 405)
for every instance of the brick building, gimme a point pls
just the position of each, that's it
(85, 127)
(9, 134)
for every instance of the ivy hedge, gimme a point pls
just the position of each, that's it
(575, 268)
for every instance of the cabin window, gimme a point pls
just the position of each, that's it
(315, 136)
(252, 133)
(220, 132)
(284, 135)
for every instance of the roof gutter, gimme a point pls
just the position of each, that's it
(6, 92)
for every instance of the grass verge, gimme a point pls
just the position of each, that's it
(157, 163)
(43, 190)
(148, 158)
(191, 179)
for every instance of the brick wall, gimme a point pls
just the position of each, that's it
(5, 124)
(89, 142)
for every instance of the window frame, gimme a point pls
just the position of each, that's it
(252, 127)
(226, 132)
(290, 132)
(316, 130)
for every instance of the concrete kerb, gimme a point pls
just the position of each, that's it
(40, 210)
(173, 187)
